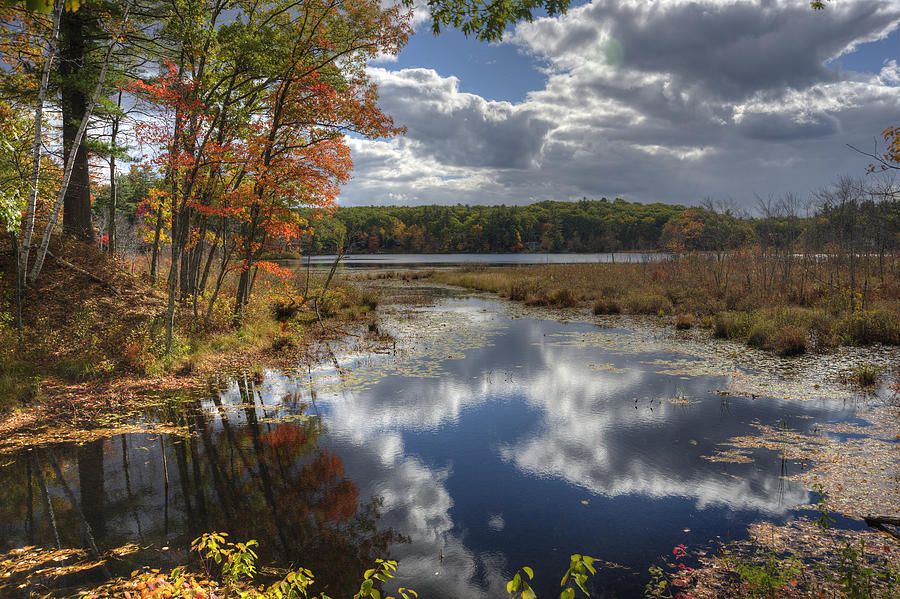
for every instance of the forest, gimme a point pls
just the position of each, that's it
(847, 211)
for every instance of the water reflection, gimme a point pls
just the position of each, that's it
(523, 450)
(237, 472)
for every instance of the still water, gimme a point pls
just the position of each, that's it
(362, 260)
(487, 443)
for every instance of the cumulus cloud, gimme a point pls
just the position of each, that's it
(671, 100)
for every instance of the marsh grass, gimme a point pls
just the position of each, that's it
(807, 308)
(865, 374)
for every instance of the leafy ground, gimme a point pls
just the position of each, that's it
(90, 359)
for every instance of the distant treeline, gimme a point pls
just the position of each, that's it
(583, 226)
(845, 216)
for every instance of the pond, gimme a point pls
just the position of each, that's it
(487, 441)
(374, 260)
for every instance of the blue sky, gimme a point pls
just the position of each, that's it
(495, 71)
(669, 100)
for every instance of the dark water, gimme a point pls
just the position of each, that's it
(496, 451)
(486, 259)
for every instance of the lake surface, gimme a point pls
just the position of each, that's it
(486, 259)
(488, 442)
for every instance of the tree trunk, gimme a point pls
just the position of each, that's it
(77, 199)
(70, 163)
(157, 233)
(19, 276)
(36, 145)
(113, 186)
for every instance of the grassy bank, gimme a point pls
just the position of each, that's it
(790, 308)
(90, 330)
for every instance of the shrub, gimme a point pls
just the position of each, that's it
(540, 299)
(563, 298)
(684, 322)
(732, 325)
(369, 298)
(880, 325)
(762, 334)
(648, 303)
(606, 306)
(865, 374)
(282, 342)
(790, 340)
(517, 291)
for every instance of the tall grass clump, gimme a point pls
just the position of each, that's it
(606, 306)
(648, 303)
(732, 325)
(684, 322)
(865, 374)
(879, 325)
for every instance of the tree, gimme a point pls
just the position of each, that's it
(250, 125)
(486, 21)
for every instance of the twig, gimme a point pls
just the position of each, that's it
(878, 523)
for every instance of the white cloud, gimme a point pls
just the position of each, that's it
(672, 100)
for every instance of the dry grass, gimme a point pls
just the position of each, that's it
(785, 308)
(84, 330)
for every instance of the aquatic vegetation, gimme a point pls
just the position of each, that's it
(684, 322)
(648, 303)
(782, 317)
(865, 374)
(606, 306)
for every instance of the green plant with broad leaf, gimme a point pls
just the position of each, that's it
(518, 587)
(579, 568)
(383, 571)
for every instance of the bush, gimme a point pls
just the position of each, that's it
(790, 340)
(648, 303)
(369, 298)
(563, 298)
(540, 299)
(865, 374)
(880, 325)
(606, 306)
(282, 342)
(762, 334)
(684, 322)
(517, 291)
(732, 325)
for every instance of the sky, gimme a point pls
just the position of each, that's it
(649, 100)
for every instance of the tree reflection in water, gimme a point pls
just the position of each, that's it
(238, 471)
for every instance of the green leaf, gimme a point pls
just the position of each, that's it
(568, 593)
(528, 571)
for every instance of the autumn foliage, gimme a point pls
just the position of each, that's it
(255, 131)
